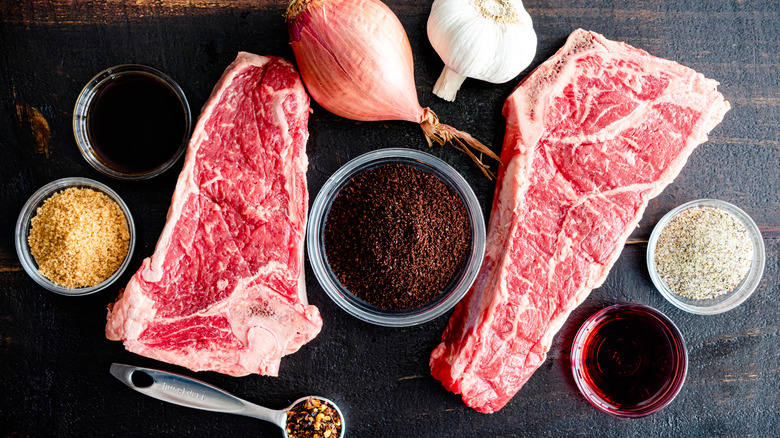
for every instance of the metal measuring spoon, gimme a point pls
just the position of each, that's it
(192, 393)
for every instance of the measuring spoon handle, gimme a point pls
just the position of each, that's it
(192, 393)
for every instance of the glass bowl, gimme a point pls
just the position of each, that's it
(610, 366)
(23, 230)
(349, 302)
(726, 301)
(81, 112)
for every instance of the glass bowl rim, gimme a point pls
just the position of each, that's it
(729, 300)
(678, 381)
(81, 110)
(336, 291)
(23, 226)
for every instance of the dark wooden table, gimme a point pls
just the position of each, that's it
(54, 358)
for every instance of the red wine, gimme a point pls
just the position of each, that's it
(632, 358)
(136, 123)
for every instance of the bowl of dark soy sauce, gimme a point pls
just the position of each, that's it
(396, 237)
(132, 122)
(629, 360)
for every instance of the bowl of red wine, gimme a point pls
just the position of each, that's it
(629, 360)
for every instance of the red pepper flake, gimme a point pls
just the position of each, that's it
(313, 418)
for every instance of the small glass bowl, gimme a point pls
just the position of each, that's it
(81, 111)
(679, 355)
(349, 302)
(726, 301)
(23, 231)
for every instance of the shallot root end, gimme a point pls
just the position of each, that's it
(441, 134)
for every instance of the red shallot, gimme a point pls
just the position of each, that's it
(356, 61)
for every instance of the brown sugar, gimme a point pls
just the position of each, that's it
(79, 237)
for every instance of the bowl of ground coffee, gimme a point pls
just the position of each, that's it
(75, 236)
(396, 237)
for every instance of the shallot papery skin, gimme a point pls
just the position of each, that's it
(355, 59)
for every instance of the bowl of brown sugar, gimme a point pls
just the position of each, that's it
(75, 236)
(396, 237)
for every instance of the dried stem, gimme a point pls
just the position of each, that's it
(295, 7)
(441, 134)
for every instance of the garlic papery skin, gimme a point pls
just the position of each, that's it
(490, 40)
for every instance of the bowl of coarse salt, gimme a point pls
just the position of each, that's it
(706, 256)
(75, 236)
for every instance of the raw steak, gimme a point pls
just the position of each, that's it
(593, 134)
(224, 289)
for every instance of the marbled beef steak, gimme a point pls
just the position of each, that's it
(593, 134)
(224, 289)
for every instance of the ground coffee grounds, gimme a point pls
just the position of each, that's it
(396, 236)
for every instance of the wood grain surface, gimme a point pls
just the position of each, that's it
(54, 357)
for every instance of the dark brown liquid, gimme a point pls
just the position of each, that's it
(629, 359)
(136, 123)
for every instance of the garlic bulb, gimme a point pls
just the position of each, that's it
(491, 40)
